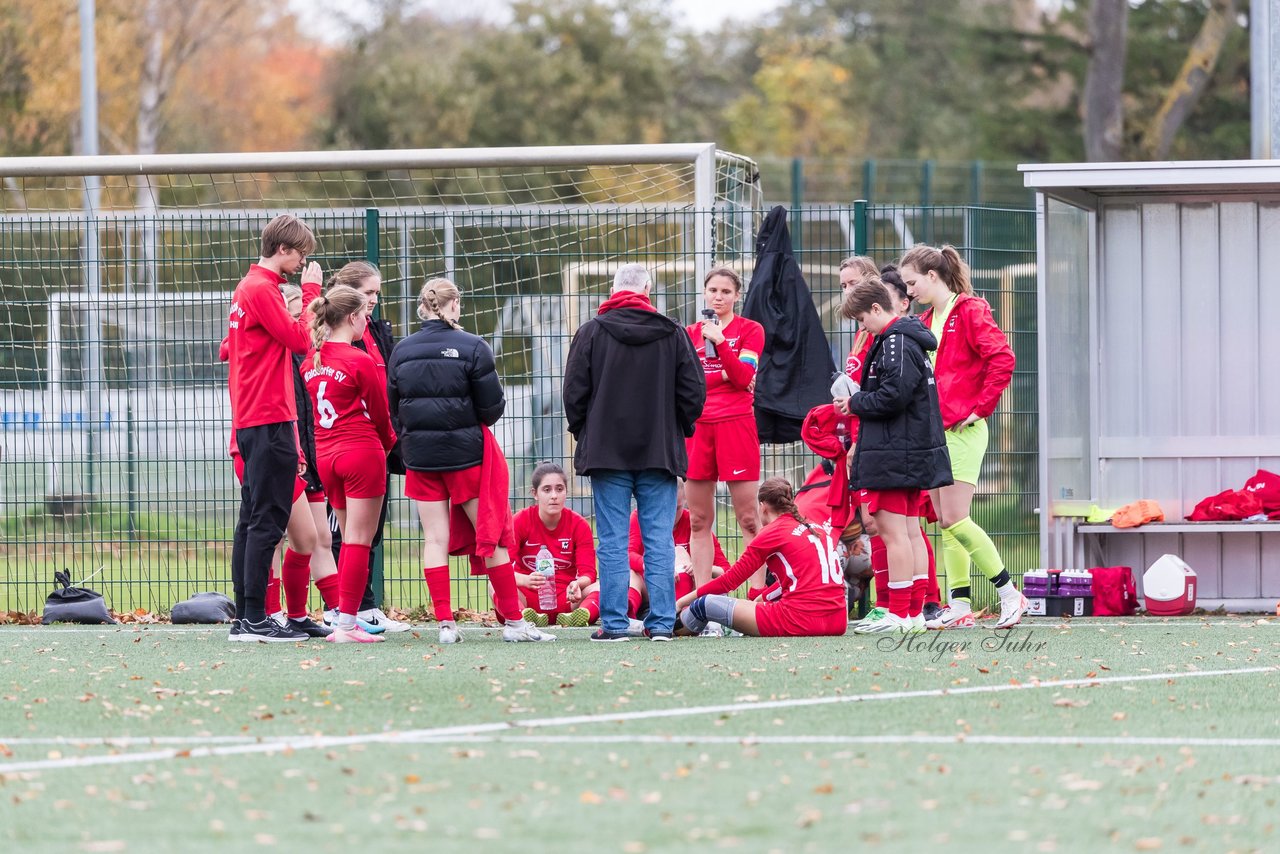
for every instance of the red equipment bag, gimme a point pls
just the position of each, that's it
(1115, 594)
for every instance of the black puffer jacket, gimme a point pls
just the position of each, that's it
(901, 443)
(442, 384)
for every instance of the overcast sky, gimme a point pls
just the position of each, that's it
(326, 17)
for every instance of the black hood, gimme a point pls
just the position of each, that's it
(912, 328)
(635, 326)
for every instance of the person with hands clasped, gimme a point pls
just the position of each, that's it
(725, 445)
(973, 365)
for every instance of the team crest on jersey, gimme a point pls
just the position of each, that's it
(564, 545)
(449, 353)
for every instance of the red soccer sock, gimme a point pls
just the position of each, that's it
(592, 603)
(919, 586)
(633, 602)
(931, 593)
(353, 574)
(505, 597)
(899, 598)
(295, 577)
(273, 594)
(438, 588)
(328, 587)
(880, 570)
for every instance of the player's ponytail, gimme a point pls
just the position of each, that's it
(778, 493)
(435, 295)
(944, 261)
(329, 311)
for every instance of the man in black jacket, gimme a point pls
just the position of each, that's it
(633, 388)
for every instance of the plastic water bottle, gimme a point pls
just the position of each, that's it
(546, 567)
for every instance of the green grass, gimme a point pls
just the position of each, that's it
(698, 781)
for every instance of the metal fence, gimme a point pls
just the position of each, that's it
(128, 480)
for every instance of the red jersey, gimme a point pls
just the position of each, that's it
(974, 364)
(803, 559)
(349, 401)
(379, 357)
(570, 543)
(260, 336)
(727, 375)
(680, 534)
(858, 357)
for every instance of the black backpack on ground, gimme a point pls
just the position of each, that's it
(204, 608)
(67, 604)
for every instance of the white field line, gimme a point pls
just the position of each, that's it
(914, 738)
(461, 730)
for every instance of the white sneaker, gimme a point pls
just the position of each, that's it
(635, 628)
(888, 624)
(331, 620)
(449, 632)
(375, 617)
(712, 630)
(956, 615)
(917, 624)
(523, 631)
(1011, 610)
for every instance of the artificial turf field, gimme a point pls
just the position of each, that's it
(1135, 735)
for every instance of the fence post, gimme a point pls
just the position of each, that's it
(926, 200)
(869, 180)
(797, 203)
(860, 227)
(372, 254)
(975, 183)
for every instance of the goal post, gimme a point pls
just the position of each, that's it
(171, 235)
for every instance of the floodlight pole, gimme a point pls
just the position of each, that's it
(92, 386)
(1264, 48)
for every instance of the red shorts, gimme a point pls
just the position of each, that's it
(926, 507)
(904, 502)
(317, 497)
(299, 485)
(776, 620)
(684, 584)
(457, 487)
(724, 450)
(354, 473)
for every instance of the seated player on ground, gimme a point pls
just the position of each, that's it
(810, 598)
(681, 534)
(567, 536)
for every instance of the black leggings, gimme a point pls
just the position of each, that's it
(270, 453)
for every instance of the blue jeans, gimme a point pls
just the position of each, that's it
(655, 494)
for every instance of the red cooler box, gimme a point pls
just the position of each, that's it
(1169, 587)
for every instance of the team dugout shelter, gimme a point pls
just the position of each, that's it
(1159, 291)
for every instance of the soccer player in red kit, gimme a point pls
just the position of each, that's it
(353, 436)
(260, 336)
(567, 536)
(725, 445)
(810, 598)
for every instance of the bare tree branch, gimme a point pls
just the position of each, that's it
(1192, 80)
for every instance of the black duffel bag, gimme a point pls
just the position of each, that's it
(67, 604)
(204, 608)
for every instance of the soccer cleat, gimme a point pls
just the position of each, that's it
(331, 619)
(635, 628)
(612, 637)
(712, 630)
(309, 627)
(269, 631)
(1011, 610)
(660, 636)
(577, 618)
(872, 615)
(233, 634)
(376, 618)
(956, 615)
(536, 617)
(917, 624)
(355, 634)
(522, 631)
(449, 632)
(888, 624)
(931, 611)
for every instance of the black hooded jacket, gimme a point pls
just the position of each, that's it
(901, 443)
(633, 388)
(796, 366)
(442, 384)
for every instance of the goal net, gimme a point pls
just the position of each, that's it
(117, 271)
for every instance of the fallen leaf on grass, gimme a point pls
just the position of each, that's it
(1118, 716)
(808, 818)
(824, 789)
(1069, 703)
(1148, 843)
(589, 797)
